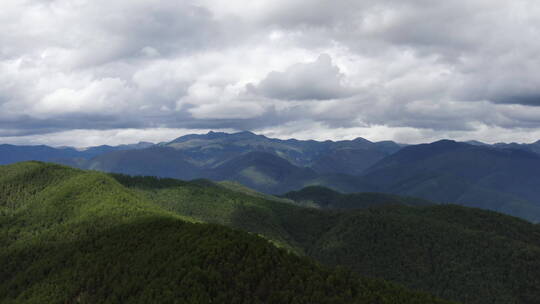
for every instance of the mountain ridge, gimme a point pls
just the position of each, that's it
(80, 236)
(458, 253)
(497, 177)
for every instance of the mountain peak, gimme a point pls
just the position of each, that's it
(246, 134)
(447, 143)
(444, 141)
(362, 140)
(209, 135)
(476, 143)
(214, 135)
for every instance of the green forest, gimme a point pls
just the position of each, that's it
(458, 253)
(73, 236)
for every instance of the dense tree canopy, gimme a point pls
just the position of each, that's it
(459, 253)
(72, 236)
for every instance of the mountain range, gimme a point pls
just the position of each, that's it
(500, 177)
(12, 153)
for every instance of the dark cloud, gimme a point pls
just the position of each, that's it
(533, 100)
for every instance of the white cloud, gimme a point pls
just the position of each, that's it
(213, 102)
(105, 95)
(89, 138)
(227, 110)
(318, 80)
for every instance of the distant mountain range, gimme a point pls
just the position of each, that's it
(501, 177)
(12, 153)
(490, 177)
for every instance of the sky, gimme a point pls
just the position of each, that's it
(89, 72)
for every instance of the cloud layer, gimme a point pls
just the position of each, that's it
(412, 71)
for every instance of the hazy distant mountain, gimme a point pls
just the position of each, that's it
(505, 180)
(532, 147)
(265, 164)
(154, 161)
(11, 154)
(347, 161)
(68, 155)
(264, 171)
(476, 143)
(98, 150)
(214, 148)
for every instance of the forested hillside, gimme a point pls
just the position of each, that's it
(72, 236)
(74, 229)
(458, 253)
(322, 197)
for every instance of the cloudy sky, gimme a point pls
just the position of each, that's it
(86, 72)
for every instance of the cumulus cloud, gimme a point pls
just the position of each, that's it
(318, 80)
(384, 69)
(98, 97)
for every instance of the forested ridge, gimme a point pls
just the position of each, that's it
(323, 197)
(83, 236)
(459, 253)
(73, 236)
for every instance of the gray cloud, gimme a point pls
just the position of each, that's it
(523, 99)
(89, 33)
(397, 69)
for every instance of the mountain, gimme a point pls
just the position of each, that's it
(532, 147)
(458, 253)
(264, 171)
(504, 180)
(326, 157)
(90, 152)
(155, 161)
(72, 236)
(347, 161)
(500, 177)
(265, 164)
(449, 250)
(11, 153)
(214, 155)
